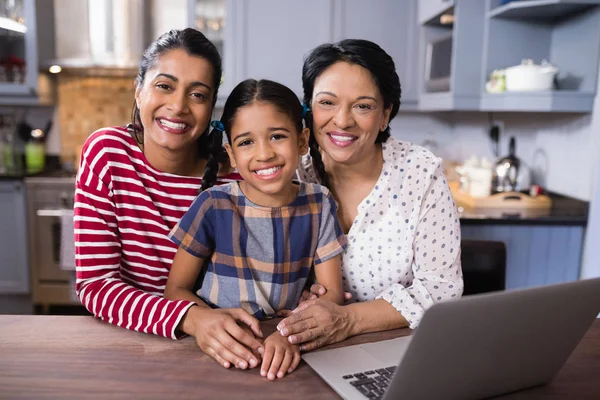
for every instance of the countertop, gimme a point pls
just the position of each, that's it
(565, 211)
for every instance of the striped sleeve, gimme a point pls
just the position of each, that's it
(100, 286)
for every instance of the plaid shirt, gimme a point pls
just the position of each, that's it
(259, 258)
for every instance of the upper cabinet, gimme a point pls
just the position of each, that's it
(463, 43)
(565, 33)
(269, 38)
(18, 49)
(392, 25)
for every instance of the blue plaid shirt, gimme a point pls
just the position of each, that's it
(258, 258)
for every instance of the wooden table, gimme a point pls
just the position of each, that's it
(80, 357)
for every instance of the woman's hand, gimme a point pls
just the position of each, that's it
(316, 323)
(218, 334)
(280, 357)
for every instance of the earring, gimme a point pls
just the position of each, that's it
(384, 126)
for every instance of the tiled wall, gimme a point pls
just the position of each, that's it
(86, 104)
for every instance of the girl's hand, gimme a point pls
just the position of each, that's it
(280, 357)
(218, 334)
(316, 323)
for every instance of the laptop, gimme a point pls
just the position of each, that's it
(476, 347)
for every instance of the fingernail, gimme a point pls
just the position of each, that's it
(243, 365)
(302, 347)
(292, 339)
(290, 371)
(261, 334)
(263, 373)
(253, 362)
(280, 374)
(261, 350)
(226, 364)
(271, 376)
(278, 327)
(284, 332)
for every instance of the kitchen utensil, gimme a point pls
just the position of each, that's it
(506, 176)
(529, 77)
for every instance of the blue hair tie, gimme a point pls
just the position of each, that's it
(218, 125)
(305, 110)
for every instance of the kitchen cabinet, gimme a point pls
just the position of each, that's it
(535, 255)
(487, 35)
(14, 268)
(564, 32)
(392, 25)
(18, 51)
(269, 38)
(452, 52)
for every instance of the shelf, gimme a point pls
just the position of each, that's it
(447, 101)
(541, 10)
(11, 25)
(552, 101)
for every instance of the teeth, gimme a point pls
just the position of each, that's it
(172, 125)
(342, 138)
(267, 171)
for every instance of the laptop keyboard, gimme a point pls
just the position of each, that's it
(372, 383)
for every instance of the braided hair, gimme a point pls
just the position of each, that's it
(354, 51)
(245, 94)
(194, 43)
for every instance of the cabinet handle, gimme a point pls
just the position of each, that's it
(50, 213)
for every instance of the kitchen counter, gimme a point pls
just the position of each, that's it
(565, 211)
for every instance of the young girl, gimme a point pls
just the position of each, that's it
(252, 244)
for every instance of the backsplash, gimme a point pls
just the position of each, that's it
(86, 104)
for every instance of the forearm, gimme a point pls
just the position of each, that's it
(178, 293)
(374, 316)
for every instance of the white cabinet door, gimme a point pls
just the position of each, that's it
(269, 38)
(14, 270)
(392, 24)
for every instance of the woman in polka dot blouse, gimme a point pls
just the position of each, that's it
(394, 202)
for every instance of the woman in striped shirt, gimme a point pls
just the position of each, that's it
(133, 186)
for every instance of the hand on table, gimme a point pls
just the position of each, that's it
(280, 357)
(218, 334)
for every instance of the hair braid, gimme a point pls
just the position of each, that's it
(212, 165)
(317, 159)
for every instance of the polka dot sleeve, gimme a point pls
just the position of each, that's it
(435, 264)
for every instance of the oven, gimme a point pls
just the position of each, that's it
(47, 200)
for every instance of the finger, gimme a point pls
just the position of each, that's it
(312, 297)
(223, 352)
(276, 363)
(305, 336)
(314, 344)
(298, 327)
(296, 317)
(318, 290)
(267, 358)
(243, 337)
(246, 318)
(217, 358)
(285, 364)
(347, 296)
(304, 305)
(232, 351)
(295, 362)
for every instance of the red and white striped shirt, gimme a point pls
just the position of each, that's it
(124, 209)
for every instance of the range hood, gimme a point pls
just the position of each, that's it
(101, 36)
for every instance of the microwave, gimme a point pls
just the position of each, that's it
(438, 64)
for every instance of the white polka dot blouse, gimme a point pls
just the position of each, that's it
(404, 245)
